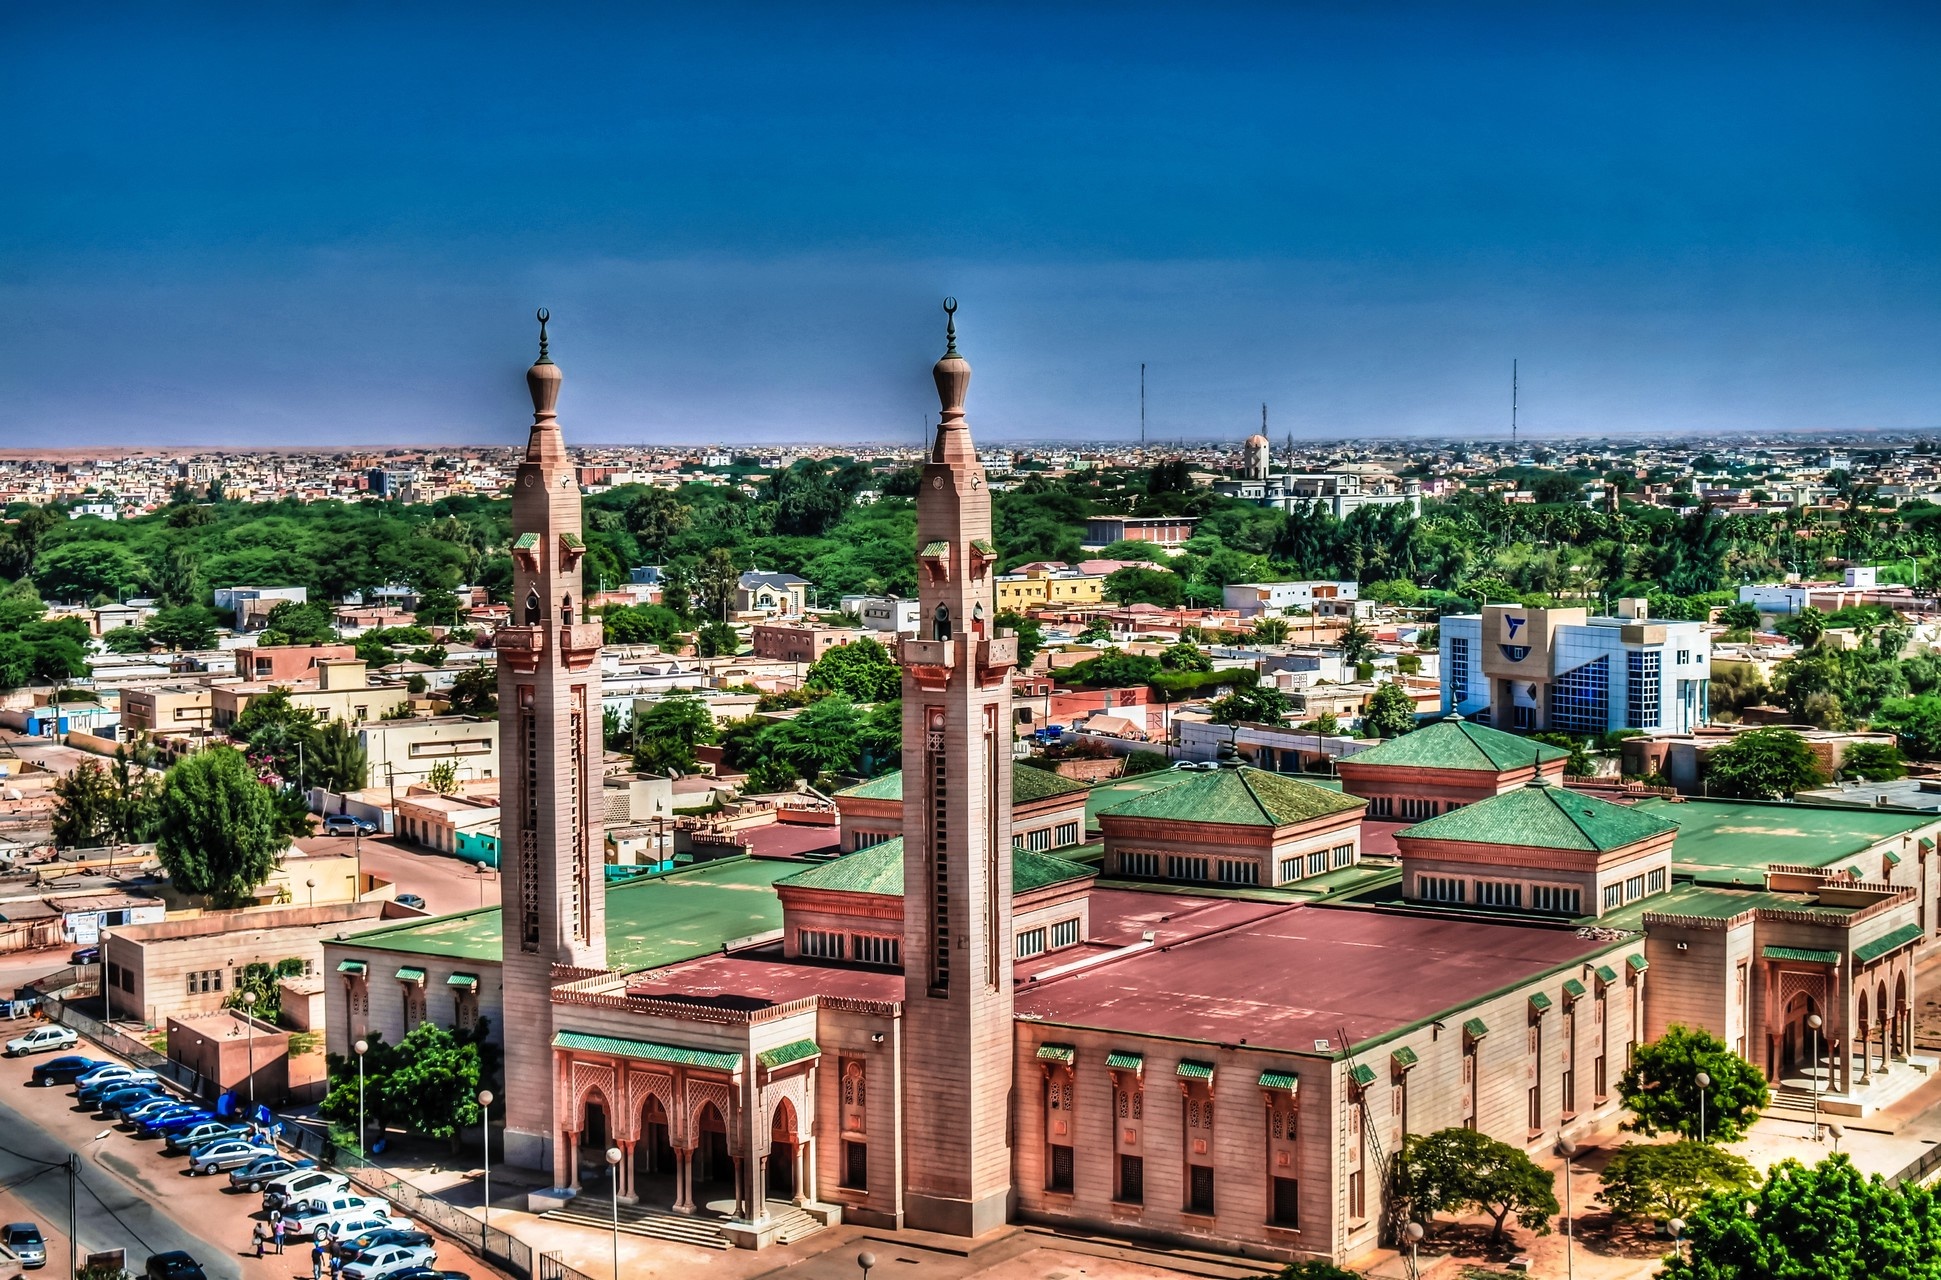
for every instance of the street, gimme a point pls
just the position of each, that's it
(446, 884)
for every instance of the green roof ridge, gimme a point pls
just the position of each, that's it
(879, 869)
(1456, 743)
(1543, 817)
(1027, 784)
(1237, 797)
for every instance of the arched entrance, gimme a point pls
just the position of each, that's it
(1801, 1050)
(714, 1165)
(654, 1153)
(596, 1135)
(783, 1144)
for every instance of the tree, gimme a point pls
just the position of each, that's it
(641, 624)
(1455, 1169)
(475, 693)
(1325, 723)
(1031, 636)
(862, 671)
(1743, 616)
(1671, 1179)
(1261, 704)
(125, 640)
(1390, 712)
(428, 1082)
(1096, 629)
(1146, 762)
(1270, 630)
(437, 609)
(666, 733)
(443, 778)
(1916, 723)
(279, 733)
(1357, 644)
(715, 582)
(1827, 1222)
(219, 832)
(1762, 764)
(337, 760)
(292, 623)
(1873, 762)
(1315, 1269)
(717, 640)
(1660, 1087)
(259, 979)
(1808, 627)
(1135, 585)
(83, 806)
(1579, 764)
(188, 626)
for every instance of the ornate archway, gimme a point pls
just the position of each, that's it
(784, 1147)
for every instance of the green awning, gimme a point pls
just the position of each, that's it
(983, 546)
(648, 1051)
(526, 542)
(1284, 1081)
(410, 973)
(933, 550)
(1403, 1058)
(1362, 1075)
(1475, 1028)
(1893, 859)
(1574, 989)
(1853, 869)
(1927, 844)
(1887, 942)
(782, 1055)
(572, 542)
(1539, 1002)
(1804, 955)
(469, 981)
(1191, 1070)
(1606, 974)
(356, 967)
(1638, 963)
(1121, 1060)
(1057, 1053)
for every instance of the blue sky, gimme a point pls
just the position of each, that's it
(331, 223)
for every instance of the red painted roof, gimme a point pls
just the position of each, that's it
(789, 839)
(1304, 974)
(762, 976)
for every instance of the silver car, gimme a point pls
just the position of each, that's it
(24, 1240)
(226, 1153)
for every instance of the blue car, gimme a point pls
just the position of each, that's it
(170, 1121)
(136, 1112)
(115, 1099)
(107, 1069)
(176, 1109)
(64, 1070)
(101, 1087)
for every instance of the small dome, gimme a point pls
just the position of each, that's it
(1255, 440)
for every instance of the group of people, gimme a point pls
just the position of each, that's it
(323, 1244)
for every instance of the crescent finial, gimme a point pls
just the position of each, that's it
(950, 326)
(543, 316)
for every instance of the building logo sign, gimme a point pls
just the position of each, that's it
(1515, 652)
(1515, 625)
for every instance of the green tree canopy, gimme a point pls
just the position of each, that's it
(1357, 643)
(427, 1083)
(1390, 712)
(1873, 762)
(1762, 764)
(1185, 656)
(1134, 585)
(717, 639)
(1660, 1087)
(1743, 616)
(861, 671)
(475, 693)
(1456, 1169)
(1261, 704)
(641, 624)
(1670, 1179)
(668, 731)
(1031, 636)
(188, 626)
(293, 623)
(219, 832)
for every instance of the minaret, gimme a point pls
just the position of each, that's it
(551, 886)
(957, 1045)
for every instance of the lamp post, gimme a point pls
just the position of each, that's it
(1566, 1148)
(1677, 1228)
(1704, 1082)
(485, 1134)
(362, 1047)
(1835, 1132)
(613, 1179)
(1413, 1234)
(865, 1260)
(249, 1033)
(1814, 1022)
(312, 886)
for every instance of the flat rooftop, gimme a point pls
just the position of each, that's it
(1307, 973)
(651, 921)
(762, 976)
(1715, 903)
(1734, 841)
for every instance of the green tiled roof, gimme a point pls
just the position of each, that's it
(1807, 955)
(1027, 784)
(984, 546)
(411, 973)
(646, 1050)
(526, 542)
(1362, 1075)
(1058, 1053)
(572, 542)
(1856, 872)
(1543, 818)
(1121, 1060)
(470, 981)
(1893, 859)
(1475, 1028)
(1459, 744)
(1606, 974)
(1285, 1080)
(1638, 963)
(1191, 1070)
(938, 548)
(782, 1055)
(1738, 839)
(1574, 989)
(1237, 797)
(1539, 1001)
(879, 869)
(357, 967)
(1887, 942)
(1403, 1058)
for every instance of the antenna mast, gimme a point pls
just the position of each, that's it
(1512, 408)
(1142, 406)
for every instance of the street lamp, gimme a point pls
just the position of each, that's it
(865, 1260)
(362, 1047)
(1566, 1148)
(1704, 1082)
(613, 1178)
(249, 1032)
(1413, 1234)
(1836, 1133)
(485, 1133)
(1814, 1022)
(312, 886)
(1677, 1228)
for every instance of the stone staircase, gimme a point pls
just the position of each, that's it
(638, 1220)
(791, 1223)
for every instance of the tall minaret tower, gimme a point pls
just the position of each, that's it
(551, 886)
(957, 1045)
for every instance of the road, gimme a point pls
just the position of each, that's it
(446, 884)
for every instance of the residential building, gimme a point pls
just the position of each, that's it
(798, 642)
(772, 594)
(1164, 531)
(1252, 599)
(283, 663)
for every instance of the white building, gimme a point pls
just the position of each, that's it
(885, 613)
(1254, 598)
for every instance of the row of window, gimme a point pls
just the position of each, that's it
(863, 948)
(1557, 899)
(1236, 871)
(1033, 942)
(1619, 892)
(1413, 808)
(1299, 867)
(1066, 833)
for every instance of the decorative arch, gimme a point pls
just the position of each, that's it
(782, 1122)
(710, 1093)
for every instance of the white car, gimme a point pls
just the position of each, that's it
(333, 1211)
(302, 1184)
(43, 1039)
(387, 1259)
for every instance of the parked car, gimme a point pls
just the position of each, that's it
(43, 1040)
(23, 1240)
(427, 1273)
(85, 955)
(256, 1175)
(127, 1095)
(108, 1071)
(138, 1111)
(357, 1223)
(173, 1265)
(388, 1259)
(99, 1091)
(302, 1185)
(410, 900)
(189, 1137)
(339, 1211)
(227, 1153)
(180, 1117)
(21, 1006)
(350, 1246)
(65, 1069)
(345, 824)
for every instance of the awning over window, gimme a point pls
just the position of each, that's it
(1122, 1060)
(783, 1055)
(1638, 964)
(647, 1050)
(1475, 1028)
(1901, 937)
(1280, 1081)
(1574, 989)
(1606, 974)
(1057, 1053)
(1191, 1070)
(1363, 1075)
(463, 981)
(409, 973)
(356, 968)
(1801, 955)
(1539, 1002)
(1402, 1059)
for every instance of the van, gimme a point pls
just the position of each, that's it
(302, 1185)
(306, 1215)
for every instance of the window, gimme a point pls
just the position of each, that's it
(1597, 1077)
(1343, 855)
(1561, 899)
(1684, 657)
(1498, 893)
(1414, 808)
(1645, 690)
(1179, 867)
(1132, 1180)
(1570, 1093)
(1037, 841)
(1634, 888)
(1200, 1191)
(465, 1011)
(872, 949)
(1536, 1108)
(1287, 1203)
(1067, 834)
(1291, 868)
(1580, 699)
(1655, 881)
(1030, 943)
(1381, 806)
(1317, 863)
(1139, 864)
(1458, 669)
(1061, 1169)
(1613, 896)
(855, 1166)
(1439, 888)
(1233, 871)
(203, 981)
(818, 943)
(1064, 934)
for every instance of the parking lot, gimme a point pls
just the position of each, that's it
(133, 1195)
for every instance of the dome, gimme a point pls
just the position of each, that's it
(1256, 440)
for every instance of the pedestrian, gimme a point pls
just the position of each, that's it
(256, 1237)
(316, 1257)
(276, 1231)
(336, 1262)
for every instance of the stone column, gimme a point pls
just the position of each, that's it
(573, 1159)
(805, 1188)
(1866, 1053)
(624, 1172)
(683, 1180)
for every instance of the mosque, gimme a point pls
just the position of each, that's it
(1337, 491)
(1210, 1026)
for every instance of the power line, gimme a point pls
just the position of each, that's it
(146, 1247)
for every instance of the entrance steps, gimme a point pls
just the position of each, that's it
(791, 1223)
(638, 1220)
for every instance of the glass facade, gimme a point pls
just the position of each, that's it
(1645, 693)
(1580, 699)
(1459, 669)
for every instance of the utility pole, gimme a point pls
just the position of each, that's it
(1142, 406)
(1513, 409)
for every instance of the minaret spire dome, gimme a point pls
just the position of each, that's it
(952, 374)
(543, 382)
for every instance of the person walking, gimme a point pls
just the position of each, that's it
(316, 1255)
(276, 1232)
(336, 1262)
(256, 1234)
